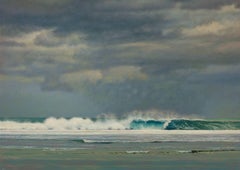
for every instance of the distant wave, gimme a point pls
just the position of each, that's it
(78, 123)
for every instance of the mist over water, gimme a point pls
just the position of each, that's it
(133, 121)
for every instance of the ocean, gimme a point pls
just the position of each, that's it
(111, 143)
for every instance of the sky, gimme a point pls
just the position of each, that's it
(89, 57)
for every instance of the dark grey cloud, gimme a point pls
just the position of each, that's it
(213, 4)
(37, 7)
(103, 20)
(126, 55)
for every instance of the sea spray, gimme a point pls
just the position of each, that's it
(128, 123)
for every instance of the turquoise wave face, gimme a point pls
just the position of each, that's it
(147, 124)
(182, 124)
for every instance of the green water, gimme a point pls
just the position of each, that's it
(26, 159)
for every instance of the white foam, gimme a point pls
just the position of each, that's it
(60, 124)
(107, 122)
(137, 152)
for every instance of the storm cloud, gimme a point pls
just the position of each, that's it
(121, 56)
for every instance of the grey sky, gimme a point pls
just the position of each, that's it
(84, 58)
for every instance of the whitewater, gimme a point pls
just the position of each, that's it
(136, 141)
(129, 123)
(115, 130)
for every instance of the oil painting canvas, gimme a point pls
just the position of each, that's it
(119, 84)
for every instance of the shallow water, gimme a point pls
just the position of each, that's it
(104, 159)
(119, 149)
(78, 143)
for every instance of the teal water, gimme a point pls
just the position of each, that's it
(102, 159)
(182, 124)
(121, 144)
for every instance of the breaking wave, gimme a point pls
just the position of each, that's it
(130, 123)
(183, 124)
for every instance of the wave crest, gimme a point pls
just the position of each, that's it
(136, 123)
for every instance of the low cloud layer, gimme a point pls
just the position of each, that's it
(122, 56)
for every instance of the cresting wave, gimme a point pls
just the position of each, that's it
(78, 123)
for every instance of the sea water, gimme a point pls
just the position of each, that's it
(82, 143)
